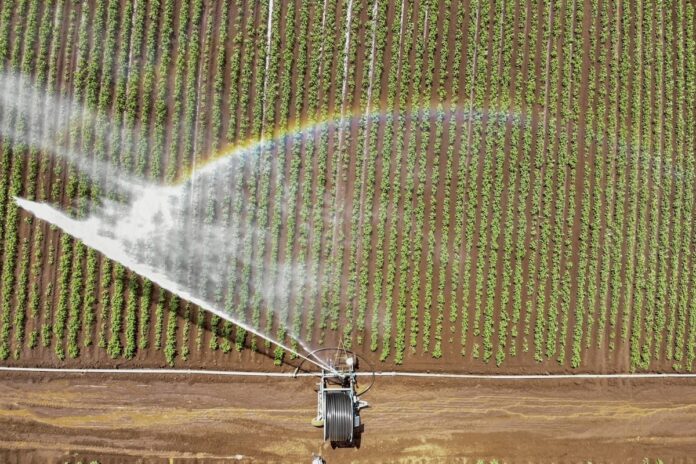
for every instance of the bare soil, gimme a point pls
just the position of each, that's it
(59, 418)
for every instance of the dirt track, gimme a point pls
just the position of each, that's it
(266, 420)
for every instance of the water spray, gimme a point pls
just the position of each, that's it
(81, 230)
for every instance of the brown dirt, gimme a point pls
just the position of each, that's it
(204, 419)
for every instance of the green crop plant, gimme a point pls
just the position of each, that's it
(75, 301)
(114, 347)
(160, 100)
(143, 149)
(591, 211)
(144, 315)
(240, 307)
(105, 96)
(633, 190)
(36, 267)
(280, 166)
(61, 314)
(478, 201)
(607, 104)
(5, 23)
(116, 143)
(159, 320)
(659, 216)
(512, 135)
(406, 143)
(47, 326)
(323, 254)
(185, 351)
(90, 297)
(455, 164)
(393, 139)
(304, 176)
(177, 93)
(535, 304)
(685, 132)
(669, 208)
(170, 351)
(20, 310)
(131, 318)
(260, 55)
(675, 301)
(214, 343)
(11, 154)
(372, 74)
(634, 285)
(241, 66)
(416, 185)
(104, 300)
(300, 188)
(219, 76)
(191, 97)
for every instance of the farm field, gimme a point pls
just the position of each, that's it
(200, 419)
(439, 185)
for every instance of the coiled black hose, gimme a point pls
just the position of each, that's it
(338, 419)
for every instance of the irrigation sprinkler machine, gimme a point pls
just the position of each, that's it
(338, 397)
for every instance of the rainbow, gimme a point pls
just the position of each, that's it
(304, 128)
(340, 121)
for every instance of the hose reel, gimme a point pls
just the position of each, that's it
(338, 398)
(339, 416)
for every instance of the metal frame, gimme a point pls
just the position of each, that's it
(338, 403)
